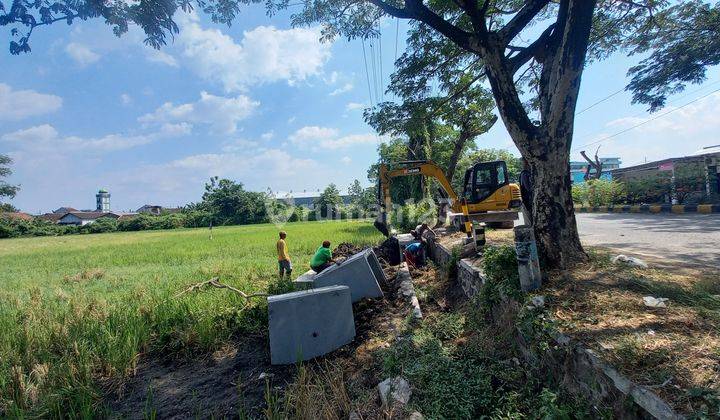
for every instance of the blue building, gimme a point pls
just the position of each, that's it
(578, 168)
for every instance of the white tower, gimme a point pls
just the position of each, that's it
(103, 201)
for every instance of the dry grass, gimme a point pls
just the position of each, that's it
(672, 350)
(85, 275)
(319, 392)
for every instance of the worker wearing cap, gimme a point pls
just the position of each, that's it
(322, 258)
(284, 263)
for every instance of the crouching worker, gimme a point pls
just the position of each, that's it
(322, 258)
(284, 264)
(421, 230)
(415, 254)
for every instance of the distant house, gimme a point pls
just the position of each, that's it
(307, 199)
(707, 158)
(63, 210)
(16, 215)
(81, 218)
(578, 168)
(52, 217)
(157, 210)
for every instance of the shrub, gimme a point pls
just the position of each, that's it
(599, 192)
(651, 189)
(408, 216)
(197, 218)
(101, 225)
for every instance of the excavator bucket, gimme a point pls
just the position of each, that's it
(381, 225)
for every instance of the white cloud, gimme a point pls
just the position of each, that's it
(45, 139)
(125, 99)
(352, 106)
(327, 138)
(221, 113)
(352, 140)
(265, 54)
(257, 172)
(19, 104)
(346, 159)
(268, 135)
(161, 57)
(347, 87)
(240, 145)
(81, 54)
(679, 133)
(313, 134)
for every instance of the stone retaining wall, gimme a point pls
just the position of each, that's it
(577, 369)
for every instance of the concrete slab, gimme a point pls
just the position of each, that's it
(376, 267)
(309, 323)
(305, 281)
(405, 239)
(356, 273)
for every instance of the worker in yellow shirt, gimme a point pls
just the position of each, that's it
(284, 263)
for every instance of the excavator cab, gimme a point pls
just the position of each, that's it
(483, 180)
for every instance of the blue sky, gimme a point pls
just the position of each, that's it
(259, 102)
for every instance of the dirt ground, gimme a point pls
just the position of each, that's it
(221, 384)
(229, 382)
(674, 351)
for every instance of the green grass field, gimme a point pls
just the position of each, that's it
(76, 310)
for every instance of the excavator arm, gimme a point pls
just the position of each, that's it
(409, 168)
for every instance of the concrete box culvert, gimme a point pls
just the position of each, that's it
(305, 281)
(357, 273)
(310, 323)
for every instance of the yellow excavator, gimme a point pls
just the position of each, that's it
(487, 195)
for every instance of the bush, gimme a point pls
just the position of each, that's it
(13, 228)
(407, 217)
(599, 192)
(101, 225)
(197, 218)
(651, 189)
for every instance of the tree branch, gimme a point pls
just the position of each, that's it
(521, 20)
(422, 13)
(392, 10)
(215, 282)
(531, 51)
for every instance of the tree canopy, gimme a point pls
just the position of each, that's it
(6, 190)
(229, 203)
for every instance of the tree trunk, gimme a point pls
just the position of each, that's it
(553, 212)
(455, 156)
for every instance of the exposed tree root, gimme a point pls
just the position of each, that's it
(215, 282)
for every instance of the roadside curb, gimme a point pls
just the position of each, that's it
(654, 208)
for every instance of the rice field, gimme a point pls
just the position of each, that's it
(77, 311)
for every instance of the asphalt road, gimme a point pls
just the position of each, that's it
(692, 239)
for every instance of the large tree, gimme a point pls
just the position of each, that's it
(6, 190)
(532, 52)
(230, 204)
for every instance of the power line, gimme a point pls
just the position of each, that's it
(674, 100)
(380, 57)
(374, 71)
(367, 74)
(600, 101)
(646, 121)
(397, 32)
